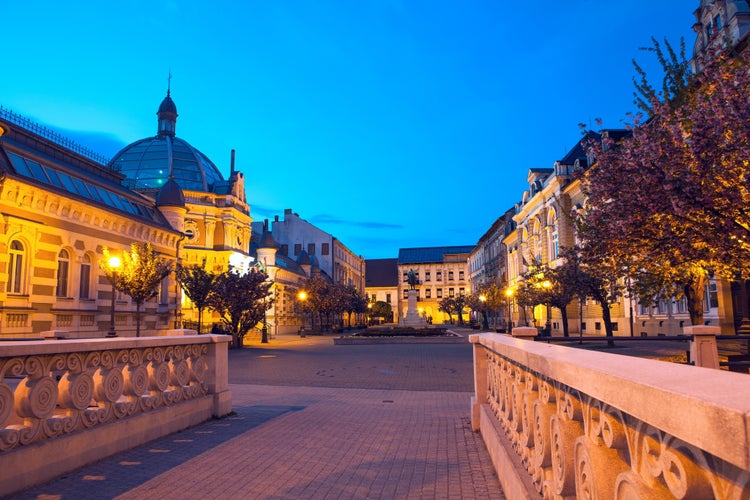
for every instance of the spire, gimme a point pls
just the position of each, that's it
(167, 113)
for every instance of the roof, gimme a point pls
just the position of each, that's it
(149, 163)
(428, 255)
(381, 272)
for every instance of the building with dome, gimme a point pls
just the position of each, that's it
(190, 191)
(61, 205)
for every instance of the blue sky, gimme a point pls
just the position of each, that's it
(387, 123)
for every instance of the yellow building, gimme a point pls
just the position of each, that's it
(442, 272)
(62, 204)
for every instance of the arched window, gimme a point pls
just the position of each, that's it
(63, 267)
(16, 277)
(85, 290)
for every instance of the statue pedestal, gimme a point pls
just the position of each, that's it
(412, 317)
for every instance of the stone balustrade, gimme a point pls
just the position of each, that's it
(66, 403)
(561, 422)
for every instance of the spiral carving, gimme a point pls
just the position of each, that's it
(109, 384)
(9, 438)
(180, 373)
(76, 391)
(562, 438)
(36, 398)
(136, 380)
(198, 369)
(158, 375)
(6, 404)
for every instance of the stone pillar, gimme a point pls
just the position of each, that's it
(703, 351)
(218, 375)
(525, 332)
(480, 381)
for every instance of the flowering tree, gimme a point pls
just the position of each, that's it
(197, 284)
(139, 276)
(241, 300)
(669, 201)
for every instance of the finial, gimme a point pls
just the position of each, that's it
(169, 81)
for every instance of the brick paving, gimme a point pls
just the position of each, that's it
(313, 420)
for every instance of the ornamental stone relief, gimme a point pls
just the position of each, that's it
(575, 446)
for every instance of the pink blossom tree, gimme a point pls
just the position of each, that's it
(670, 201)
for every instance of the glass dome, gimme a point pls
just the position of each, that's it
(149, 163)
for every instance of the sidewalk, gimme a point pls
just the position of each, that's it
(296, 441)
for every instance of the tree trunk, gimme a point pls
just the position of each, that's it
(137, 319)
(200, 315)
(607, 317)
(564, 316)
(486, 322)
(694, 296)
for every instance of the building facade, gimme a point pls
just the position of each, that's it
(442, 272)
(381, 284)
(63, 205)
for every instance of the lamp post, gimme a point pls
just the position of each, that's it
(369, 314)
(483, 300)
(509, 296)
(302, 297)
(114, 264)
(548, 326)
(264, 330)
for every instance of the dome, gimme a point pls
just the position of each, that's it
(149, 163)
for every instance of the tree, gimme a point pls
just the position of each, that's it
(697, 151)
(320, 299)
(556, 287)
(139, 276)
(382, 309)
(197, 284)
(448, 305)
(478, 303)
(241, 300)
(495, 299)
(355, 302)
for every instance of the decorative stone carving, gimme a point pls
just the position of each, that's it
(575, 446)
(64, 393)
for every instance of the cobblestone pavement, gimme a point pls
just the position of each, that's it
(313, 420)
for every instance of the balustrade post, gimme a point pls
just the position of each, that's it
(703, 350)
(218, 374)
(525, 332)
(480, 380)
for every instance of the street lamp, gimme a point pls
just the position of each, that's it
(302, 297)
(509, 296)
(114, 264)
(483, 300)
(369, 314)
(546, 284)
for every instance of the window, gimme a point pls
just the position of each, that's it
(461, 275)
(712, 297)
(451, 292)
(450, 275)
(311, 249)
(324, 249)
(440, 293)
(387, 298)
(439, 276)
(461, 291)
(428, 294)
(597, 325)
(406, 294)
(406, 277)
(84, 292)
(427, 275)
(297, 249)
(15, 267)
(63, 267)
(284, 250)
(374, 297)
(555, 250)
(164, 291)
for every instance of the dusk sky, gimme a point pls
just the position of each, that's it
(387, 123)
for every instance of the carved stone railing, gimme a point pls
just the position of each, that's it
(70, 396)
(562, 422)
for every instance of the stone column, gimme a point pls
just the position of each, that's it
(703, 351)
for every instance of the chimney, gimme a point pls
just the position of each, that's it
(231, 164)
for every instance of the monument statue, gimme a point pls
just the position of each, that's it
(412, 279)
